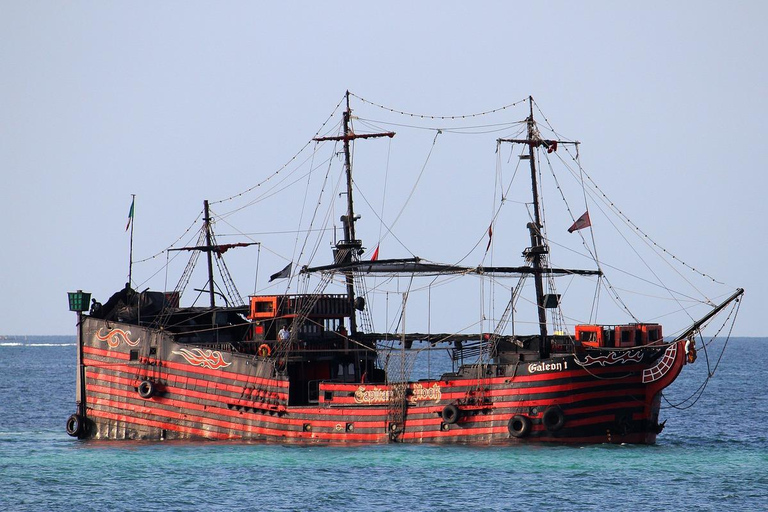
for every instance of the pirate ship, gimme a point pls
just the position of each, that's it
(309, 367)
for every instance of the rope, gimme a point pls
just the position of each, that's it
(482, 129)
(175, 242)
(277, 172)
(710, 371)
(629, 222)
(426, 116)
(418, 178)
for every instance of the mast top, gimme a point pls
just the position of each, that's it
(348, 250)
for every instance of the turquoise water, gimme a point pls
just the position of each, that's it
(712, 456)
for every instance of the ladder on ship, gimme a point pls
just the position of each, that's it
(397, 398)
(398, 372)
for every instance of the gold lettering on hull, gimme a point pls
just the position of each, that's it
(416, 393)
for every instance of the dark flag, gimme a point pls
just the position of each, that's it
(286, 272)
(490, 237)
(581, 223)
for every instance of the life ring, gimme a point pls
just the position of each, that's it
(553, 418)
(75, 425)
(519, 425)
(451, 414)
(264, 350)
(146, 389)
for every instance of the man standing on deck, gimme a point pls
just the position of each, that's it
(284, 334)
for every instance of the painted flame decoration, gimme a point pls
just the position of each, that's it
(612, 358)
(115, 336)
(205, 358)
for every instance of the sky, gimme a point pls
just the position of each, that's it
(178, 102)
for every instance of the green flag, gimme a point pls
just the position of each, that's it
(130, 215)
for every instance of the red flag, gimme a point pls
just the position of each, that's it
(581, 223)
(375, 254)
(490, 236)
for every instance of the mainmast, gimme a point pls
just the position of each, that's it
(348, 250)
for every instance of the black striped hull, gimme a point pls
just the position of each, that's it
(200, 393)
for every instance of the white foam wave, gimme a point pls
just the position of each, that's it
(18, 344)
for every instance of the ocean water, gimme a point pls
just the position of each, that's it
(713, 455)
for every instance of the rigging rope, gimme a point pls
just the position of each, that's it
(175, 242)
(289, 161)
(425, 116)
(418, 178)
(604, 197)
(683, 404)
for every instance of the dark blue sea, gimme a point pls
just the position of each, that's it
(713, 455)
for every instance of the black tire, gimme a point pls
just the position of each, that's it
(146, 389)
(75, 425)
(451, 414)
(553, 418)
(519, 426)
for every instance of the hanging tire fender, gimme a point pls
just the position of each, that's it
(519, 425)
(450, 414)
(146, 389)
(75, 425)
(553, 418)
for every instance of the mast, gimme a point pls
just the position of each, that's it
(536, 253)
(352, 246)
(349, 224)
(209, 251)
(210, 248)
(130, 250)
(537, 248)
(348, 250)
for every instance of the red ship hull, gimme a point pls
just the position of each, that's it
(137, 383)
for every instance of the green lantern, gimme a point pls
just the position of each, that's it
(79, 300)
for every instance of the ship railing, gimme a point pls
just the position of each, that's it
(221, 346)
(468, 350)
(475, 349)
(562, 346)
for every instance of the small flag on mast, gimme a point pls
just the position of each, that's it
(490, 237)
(375, 254)
(130, 214)
(581, 223)
(286, 272)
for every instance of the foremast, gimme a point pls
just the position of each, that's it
(536, 253)
(348, 250)
(538, 248)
